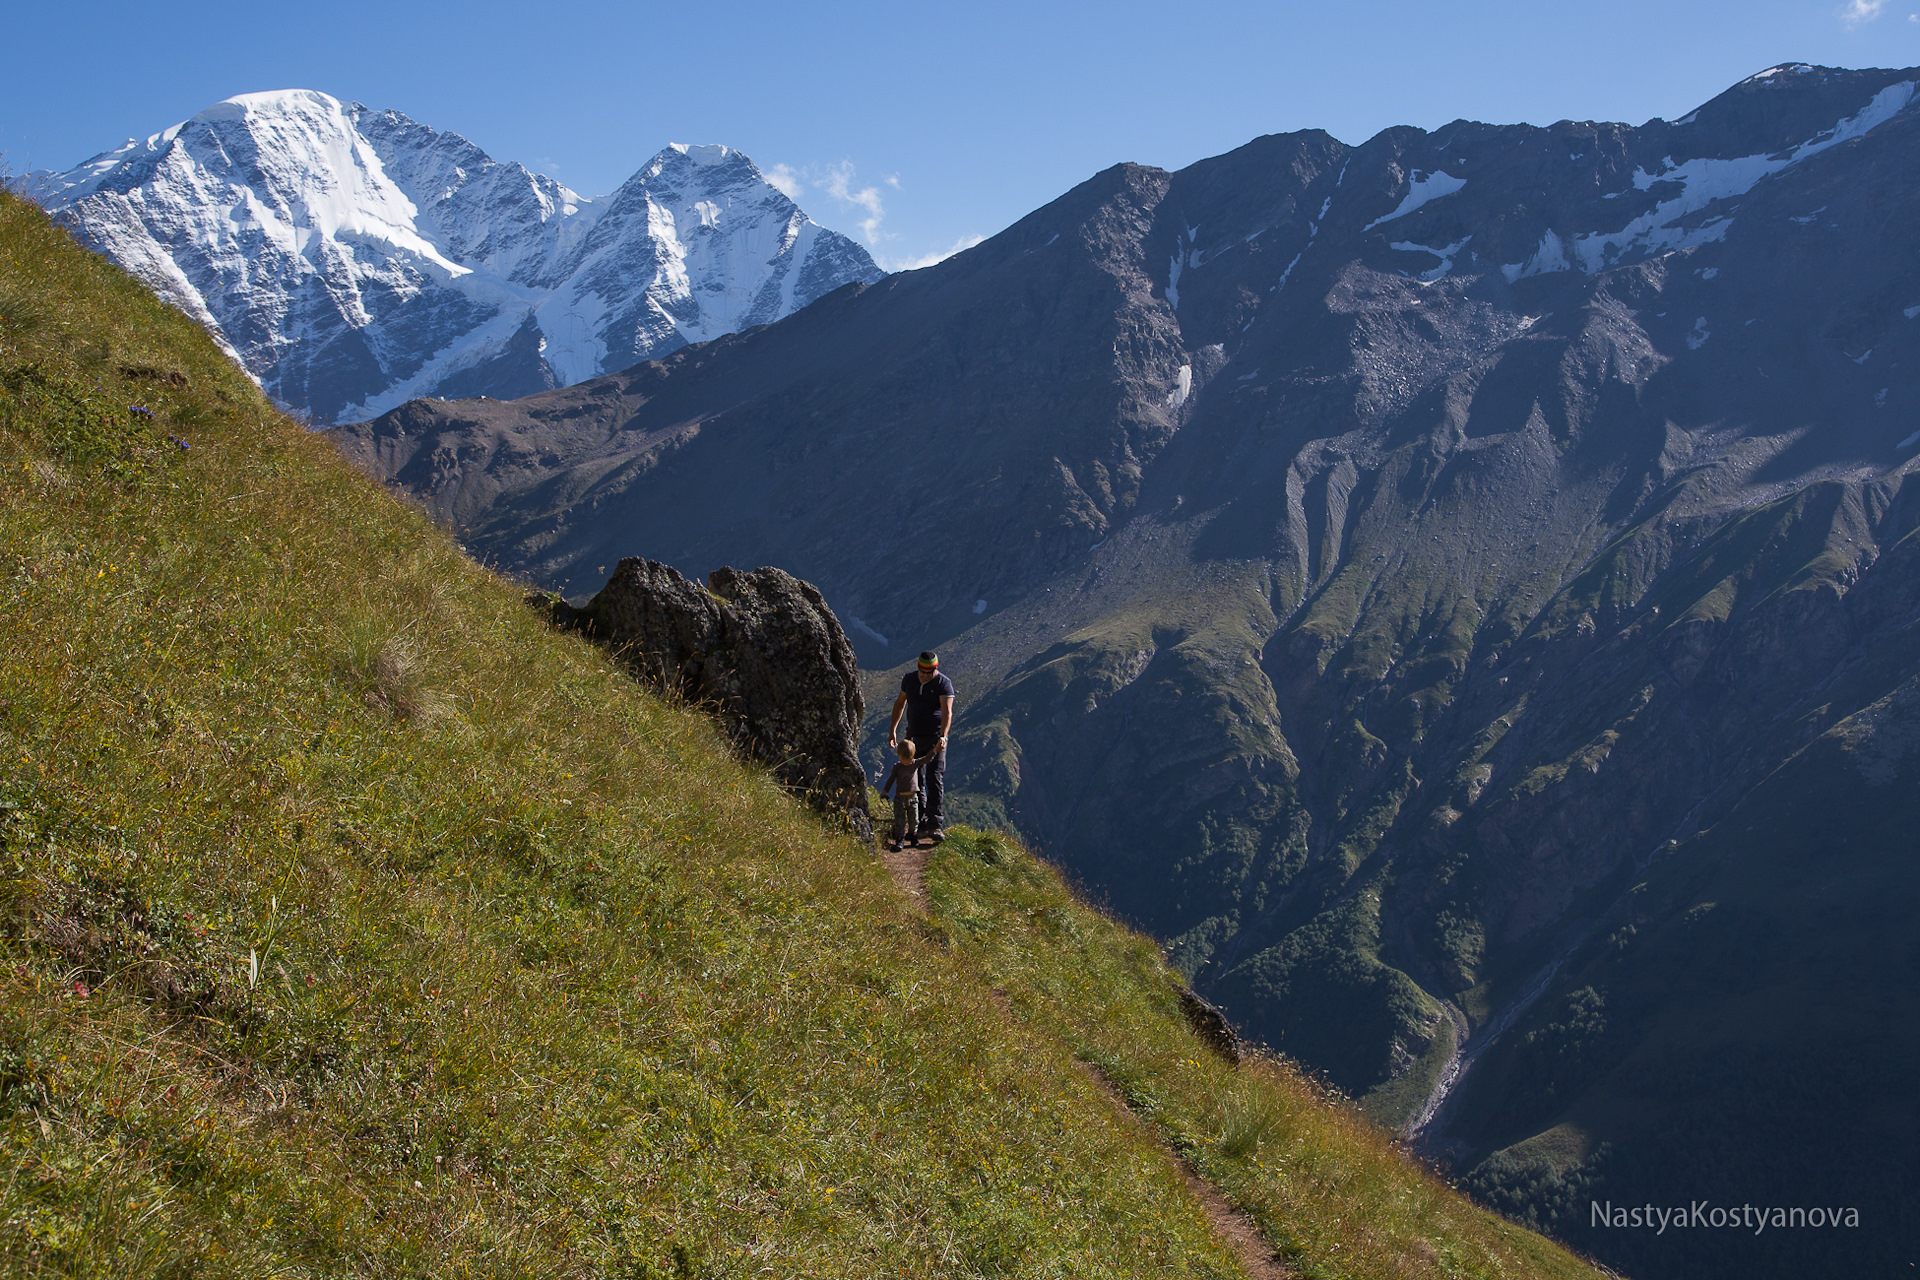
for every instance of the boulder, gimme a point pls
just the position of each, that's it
(1211, 1026)
(761, 652)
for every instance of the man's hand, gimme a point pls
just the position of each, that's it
(893, 725)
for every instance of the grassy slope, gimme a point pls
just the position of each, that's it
(356, 924)
(1319, 1180)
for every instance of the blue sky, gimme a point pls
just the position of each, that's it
(913, 128)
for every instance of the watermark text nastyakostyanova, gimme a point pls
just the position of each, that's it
(1704, 1214)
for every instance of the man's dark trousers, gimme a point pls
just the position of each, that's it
(933, 778)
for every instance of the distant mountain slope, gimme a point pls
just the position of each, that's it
(1365, 565)
(352, 259)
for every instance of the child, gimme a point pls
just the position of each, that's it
(904, 779)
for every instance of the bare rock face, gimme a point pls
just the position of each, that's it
(1211, 1025)
(761, 651)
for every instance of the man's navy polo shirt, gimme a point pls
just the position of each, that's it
(923, 700)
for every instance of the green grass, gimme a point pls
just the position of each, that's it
(1331, 1190)
(355, 923)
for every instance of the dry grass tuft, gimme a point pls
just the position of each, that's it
(392, 680)
(1249, 1122)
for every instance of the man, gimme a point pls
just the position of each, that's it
(926, 697)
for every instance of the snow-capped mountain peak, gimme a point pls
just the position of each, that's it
(713, 153)
(352, 259)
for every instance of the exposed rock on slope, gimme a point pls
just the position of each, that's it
(353, 258)
(1365, 565)
(761, 650)
(1210, 1025)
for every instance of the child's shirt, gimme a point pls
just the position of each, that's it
(904, 777)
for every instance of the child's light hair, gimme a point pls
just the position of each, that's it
(907, 748)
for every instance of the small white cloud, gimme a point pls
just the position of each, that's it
(928, 259)
(783, 179)
(839, 184)
(1860, 12)
(1913, 17)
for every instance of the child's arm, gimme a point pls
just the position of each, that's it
(887, 786)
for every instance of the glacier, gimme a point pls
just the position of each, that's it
(353, 259)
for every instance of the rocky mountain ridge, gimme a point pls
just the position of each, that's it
(352, 259)
(1385, 572)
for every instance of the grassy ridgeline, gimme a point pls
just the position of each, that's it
(356, 924)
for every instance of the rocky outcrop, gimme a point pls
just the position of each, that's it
(1211, 1025)
(761, 651)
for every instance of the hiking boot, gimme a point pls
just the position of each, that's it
(893, 846)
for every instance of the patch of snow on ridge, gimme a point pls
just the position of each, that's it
(712, 153)
(1182, 387)
(1287, 273)
(1703, 181)
(1445, 254)
(1698, 338)
(1422, 188)
(1784, 69)
(1550, 256)
(1313, 231)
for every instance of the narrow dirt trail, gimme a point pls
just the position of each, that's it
(1256, 1255)
(908, 866)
